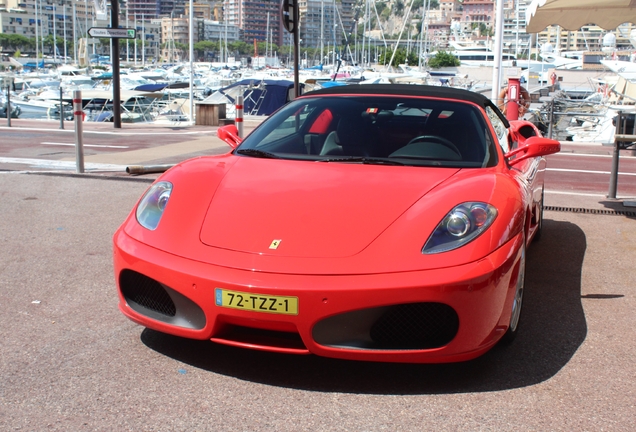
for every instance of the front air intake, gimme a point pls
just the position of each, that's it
(148, 293)
(416, 326)
(409, 326)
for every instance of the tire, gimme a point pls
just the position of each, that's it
(515, 315)
(537, 234)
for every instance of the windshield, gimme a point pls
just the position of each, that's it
(376, 129)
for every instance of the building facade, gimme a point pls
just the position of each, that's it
(257, 20)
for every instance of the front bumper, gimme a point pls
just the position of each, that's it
(442, 315)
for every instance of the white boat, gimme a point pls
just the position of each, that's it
(479, 55)
(41, 108)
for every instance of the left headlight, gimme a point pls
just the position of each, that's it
(152, 205)
(461, 225)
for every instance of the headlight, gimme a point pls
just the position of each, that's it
(153, 204)
(461, 225)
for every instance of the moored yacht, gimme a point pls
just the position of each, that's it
(479, 55)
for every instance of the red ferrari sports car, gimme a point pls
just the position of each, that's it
(363, 222)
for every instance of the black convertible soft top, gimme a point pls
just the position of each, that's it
(410, 90)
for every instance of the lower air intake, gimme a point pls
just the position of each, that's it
(409, 326)
(146, 292)
(416, 326)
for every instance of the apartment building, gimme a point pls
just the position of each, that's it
(257, 20)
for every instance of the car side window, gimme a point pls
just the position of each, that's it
(500, 129)
(289, 126)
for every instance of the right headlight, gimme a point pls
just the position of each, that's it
(461, 225)
(152, 205)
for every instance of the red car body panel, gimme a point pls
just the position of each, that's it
(344, 239)
(191, 208)
(478, 291)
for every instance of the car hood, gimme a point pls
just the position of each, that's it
(311, 209)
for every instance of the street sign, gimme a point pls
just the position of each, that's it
(104, 32)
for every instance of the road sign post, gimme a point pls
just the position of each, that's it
(115, 33)
(290, 16)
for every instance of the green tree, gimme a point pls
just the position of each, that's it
(400, 57)
(204, 47)
(15, 41)
(443, 59)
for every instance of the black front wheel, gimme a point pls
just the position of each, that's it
(518, 300)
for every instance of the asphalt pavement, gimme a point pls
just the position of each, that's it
(71, 361)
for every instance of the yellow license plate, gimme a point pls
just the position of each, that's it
(256, 302)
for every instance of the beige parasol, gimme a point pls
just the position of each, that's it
(574, 14)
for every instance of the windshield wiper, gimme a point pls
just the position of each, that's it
(257, 153)
(363, 160)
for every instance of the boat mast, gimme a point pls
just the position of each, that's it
(135, 25)
(54, 38)
(334, 38)
(364, 33)
(86, 25)
(143, 41)
(322, 29)
(74, 35)
(42, 30)
(64, 14)
(419, 55)
(127, 46)
(37, 51)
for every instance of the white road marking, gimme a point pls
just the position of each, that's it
(591, 155)
(63, 165)
(111, 133)
(588, 171)
(84, 145)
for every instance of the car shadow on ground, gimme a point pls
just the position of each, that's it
(553, 327)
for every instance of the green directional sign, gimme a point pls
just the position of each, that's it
(104, 32)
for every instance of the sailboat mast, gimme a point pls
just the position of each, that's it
(364, 32)
(54, 38)
(86, 23)
(127, 45)
(42, 30)
(322, 30)
(143, 41)
(37, 51)
(135, 25)
(64, 14)
(334, 38)
(74, 35)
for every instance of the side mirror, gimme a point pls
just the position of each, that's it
(531, 148)
(229, 134)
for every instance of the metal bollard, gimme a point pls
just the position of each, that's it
(613, 186)
(9, 106)
(79, 119)
(551, 118)
(238, 118)
(61, 109)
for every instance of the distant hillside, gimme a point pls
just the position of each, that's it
(388, 17)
